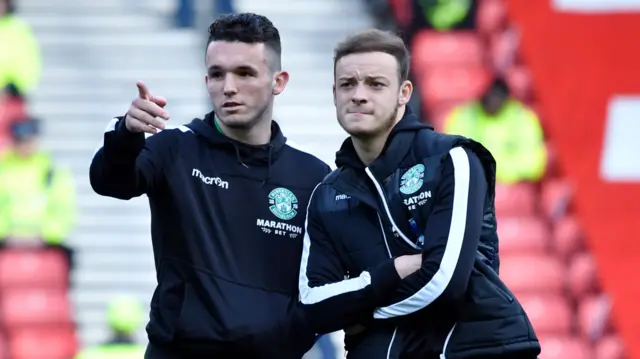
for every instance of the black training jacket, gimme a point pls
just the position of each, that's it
(427, 193)
(227, 225)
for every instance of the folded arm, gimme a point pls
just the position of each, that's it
(331, 302)
(452, 235)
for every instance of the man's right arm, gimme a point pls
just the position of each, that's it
(329, 301)
(127, 165)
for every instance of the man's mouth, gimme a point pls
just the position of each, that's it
(231, 104)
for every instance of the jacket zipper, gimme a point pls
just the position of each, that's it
(387, 211)
(386, 243)
(395, 227)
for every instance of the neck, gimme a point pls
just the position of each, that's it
(370, 148)
(259, 134)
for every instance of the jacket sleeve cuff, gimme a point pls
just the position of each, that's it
(384, 279)
(123, 143)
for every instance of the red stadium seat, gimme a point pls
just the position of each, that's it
(42, 268)
(453, 83)
(515, 200)
(553, 170)
(532, 273)
(4, 348)
(402, 11)
(610, 347)
(519, 80)
(523, 235)
(582, 276)
(433, 48)
(44, 343)
(564, 347)
(11, 109)
(503, 49)
(23, 307)
(550, 314)
(567, 236)
(492, 16)
(593, 316)
(556, 196)
(439, 113)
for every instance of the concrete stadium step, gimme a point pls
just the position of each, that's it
(71, 22)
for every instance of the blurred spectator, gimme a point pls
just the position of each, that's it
(443, 15)
(37, 200)
(509, 129)
(125, 316)
(20, 55)
(185, 14)
(223, 7)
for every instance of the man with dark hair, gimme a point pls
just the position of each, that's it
(402, 189)
(227, 197)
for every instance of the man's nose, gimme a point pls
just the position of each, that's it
(229, 88)
(359, 95)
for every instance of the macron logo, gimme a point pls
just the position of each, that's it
(210, 180)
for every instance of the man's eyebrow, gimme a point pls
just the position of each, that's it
(237, 68)
(245, 68)
(376, 77)
(367, 78)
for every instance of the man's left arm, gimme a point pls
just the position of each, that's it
(452, 235)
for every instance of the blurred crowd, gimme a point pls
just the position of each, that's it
(470, 80)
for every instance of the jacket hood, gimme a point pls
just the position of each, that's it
(347, 155)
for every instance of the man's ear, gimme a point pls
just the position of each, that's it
(334, 95)
(280, 81)
(406, 89)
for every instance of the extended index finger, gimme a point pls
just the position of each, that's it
(143, 91)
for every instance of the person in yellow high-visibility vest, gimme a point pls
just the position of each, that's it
(508, 128)
(19, 51)
(37, 198)
(125, 315)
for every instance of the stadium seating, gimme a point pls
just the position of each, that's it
(20, 268)
(543, 256)
(523, 235)
(35, 311)
(44, 343)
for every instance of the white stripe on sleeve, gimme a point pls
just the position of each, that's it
(312, 295)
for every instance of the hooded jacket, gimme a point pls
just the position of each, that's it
(227, 223)
(426, 193)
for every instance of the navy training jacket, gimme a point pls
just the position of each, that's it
(427, 193)
(227, 225)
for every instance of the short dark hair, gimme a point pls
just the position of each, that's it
(374, 40)
(248, 28)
